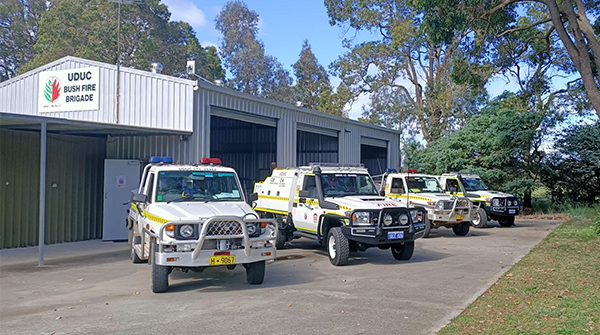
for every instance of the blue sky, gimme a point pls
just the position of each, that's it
(283, 27)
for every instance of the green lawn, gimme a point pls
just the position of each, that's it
(552, 290)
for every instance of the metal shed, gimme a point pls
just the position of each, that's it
(157, 115)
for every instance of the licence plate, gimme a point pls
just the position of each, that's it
(458, 217)
(394, 235)
(512, 211)
(221, 260)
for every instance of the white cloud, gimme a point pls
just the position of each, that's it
(182, 10)
(210, 44)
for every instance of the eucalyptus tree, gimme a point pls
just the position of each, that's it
(423, 65)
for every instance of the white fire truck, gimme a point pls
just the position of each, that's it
(493, 205)
(414, 189)
(191, 217)
(338, 206)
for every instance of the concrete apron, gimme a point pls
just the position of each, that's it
(91, 287)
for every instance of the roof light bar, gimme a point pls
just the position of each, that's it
(412, 171)
(391, 170)
(210, 161)
(161, 159)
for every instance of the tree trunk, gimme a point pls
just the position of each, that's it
(527, 201)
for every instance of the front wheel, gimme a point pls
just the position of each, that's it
(427, 229)
(507, 222)
(461, 229)
(160, 273)
(403, 252)
(255, 272)
(337, 247)
(480, 219)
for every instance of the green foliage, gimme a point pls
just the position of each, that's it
(572, 172)
(252, 71)
(314, 85)
(408, 68)
(19, 24)
(88, 29)
(597, 224)
(492, 144)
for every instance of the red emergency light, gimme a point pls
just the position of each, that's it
(211, 161)
(412, 171)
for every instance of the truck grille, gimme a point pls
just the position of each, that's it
(222, 228)
(462, 203)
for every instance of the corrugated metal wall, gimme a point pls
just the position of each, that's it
(249, 148)
(143, 147)
(288, 117)
(147, 99)
(316, 148)
(73, 191)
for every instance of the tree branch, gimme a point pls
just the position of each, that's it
(524, 27)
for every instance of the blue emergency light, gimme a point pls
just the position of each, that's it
(391, 170)
(161, 159)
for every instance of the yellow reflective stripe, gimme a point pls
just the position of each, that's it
(308, 201)
(345, 208)
(395, 195)
(270, 210)
(155, 218)
(300, 228)
(134, 207)
(272, 197)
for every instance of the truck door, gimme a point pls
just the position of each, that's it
(453, 186)
(306, 212)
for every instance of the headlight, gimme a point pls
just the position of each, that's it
(498, 202)
(509, 203)
(417, 216)
(252, 229)
(186, 231)
(361, 218)
(404, 219)
(387, 220)
(440, 205)
(170, 230)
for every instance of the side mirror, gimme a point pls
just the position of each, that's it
(303, 194)
(382, 193)
(253, 197)
(138, 197)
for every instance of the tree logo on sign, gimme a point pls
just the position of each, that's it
(52, 89)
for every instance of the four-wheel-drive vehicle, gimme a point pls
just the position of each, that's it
(339, 206)
(494, 205)
(443, 210)
(191, 217)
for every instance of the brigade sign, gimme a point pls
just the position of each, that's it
(69, 90)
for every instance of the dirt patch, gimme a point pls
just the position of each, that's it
(543, 216)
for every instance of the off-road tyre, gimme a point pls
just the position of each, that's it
(255, 272)
(403, 252)
(482, 220)
(160, 274)
(337, 247)
(427, 229)
(507, 222)
(461, 229)
(281, 239)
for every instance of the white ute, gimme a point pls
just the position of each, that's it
(414, 189)
(191, 217)
(338, 206)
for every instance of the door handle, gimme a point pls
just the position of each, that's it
(105, 195)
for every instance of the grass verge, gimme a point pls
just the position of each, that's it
(552, 290)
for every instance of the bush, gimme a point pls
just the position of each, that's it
(597, 224)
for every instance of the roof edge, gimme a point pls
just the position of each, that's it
(94, 63)
(225, 90)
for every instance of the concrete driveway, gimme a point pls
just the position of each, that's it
(93, 288)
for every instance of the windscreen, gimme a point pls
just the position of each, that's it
(343, 184)
(419, 184)
(473, 184)
(197, 186)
